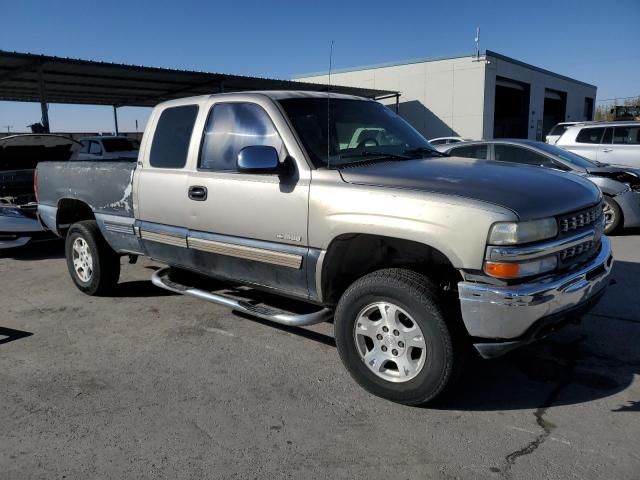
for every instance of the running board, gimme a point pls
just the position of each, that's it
(161, 279)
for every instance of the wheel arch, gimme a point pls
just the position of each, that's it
(349, 256)
(70, 211)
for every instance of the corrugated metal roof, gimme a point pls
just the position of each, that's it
(77, 81)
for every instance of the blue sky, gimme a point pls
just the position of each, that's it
(592, 40)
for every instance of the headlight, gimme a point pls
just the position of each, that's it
(512, 233)
(519, 270)
(11, 212)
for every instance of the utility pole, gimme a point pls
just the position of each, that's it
(8, 127)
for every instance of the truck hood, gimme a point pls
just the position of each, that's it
(530, 192)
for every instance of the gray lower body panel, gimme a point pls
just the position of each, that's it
(271, 265)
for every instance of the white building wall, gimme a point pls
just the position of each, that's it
(439, 98)
(456, 96)
(539, 82)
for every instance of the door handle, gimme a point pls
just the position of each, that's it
(607, 150)
(198, 193)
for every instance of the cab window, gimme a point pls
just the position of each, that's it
(515, 154)
(171, 138)
(95, 148)
(231, 127)
(470, 151)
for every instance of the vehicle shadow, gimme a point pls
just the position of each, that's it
(627, 232)
(140, 289)
(580, 363)
(52, 249)
(9, 335)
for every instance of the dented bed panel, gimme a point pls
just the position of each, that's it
(105, 186)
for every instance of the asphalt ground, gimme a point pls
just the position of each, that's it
(147, 384)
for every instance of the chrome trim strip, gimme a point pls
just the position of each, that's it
(119, 228)
(246, 253)
(167, 239)
(527, 252)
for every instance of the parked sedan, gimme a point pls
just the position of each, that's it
(620, 185)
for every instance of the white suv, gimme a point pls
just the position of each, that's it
(557, 131)
(606, 142)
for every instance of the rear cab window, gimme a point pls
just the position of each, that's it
(170, 145)
(95, 148)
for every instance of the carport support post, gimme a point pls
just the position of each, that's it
(115, 118)
(43, 101)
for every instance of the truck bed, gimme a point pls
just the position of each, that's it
(105, 186)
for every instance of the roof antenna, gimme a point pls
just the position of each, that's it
(477, 40)
(329, 107)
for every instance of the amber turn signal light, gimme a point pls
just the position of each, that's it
(502, 270)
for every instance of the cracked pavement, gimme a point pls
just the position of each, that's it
(147, 384)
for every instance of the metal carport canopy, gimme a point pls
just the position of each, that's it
(28, 77)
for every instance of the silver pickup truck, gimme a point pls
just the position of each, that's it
(336, 205)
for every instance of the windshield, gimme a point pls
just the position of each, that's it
(567, 156)
(358, 131)
(118, 145)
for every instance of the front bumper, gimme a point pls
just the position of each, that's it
(503, 318)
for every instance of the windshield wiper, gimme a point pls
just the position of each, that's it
(423, 150)
(382, 155)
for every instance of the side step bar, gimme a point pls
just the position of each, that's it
(161, 279)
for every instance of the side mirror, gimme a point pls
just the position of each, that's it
(258, 159)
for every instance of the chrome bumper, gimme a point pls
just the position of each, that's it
(506, 314)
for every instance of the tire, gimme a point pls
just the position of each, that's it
(416, 301)
(93, 265)
(613, 215)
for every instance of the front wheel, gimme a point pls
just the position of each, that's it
(93, 265)
(612, 215)
(392, 337)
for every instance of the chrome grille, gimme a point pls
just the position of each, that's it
(577, 250)
(580, 219)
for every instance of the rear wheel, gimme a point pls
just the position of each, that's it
(612, 215)
(93, 265)
(392, 337)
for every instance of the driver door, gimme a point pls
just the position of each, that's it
(249, 227)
